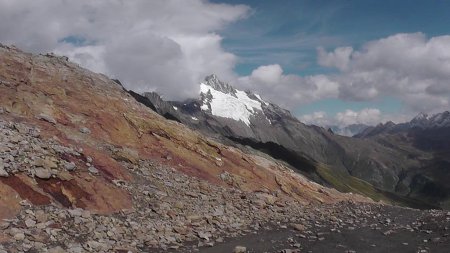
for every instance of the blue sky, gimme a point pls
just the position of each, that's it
(288, 33)
(294, 28)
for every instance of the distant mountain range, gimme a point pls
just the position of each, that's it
(420, 122)
(384, 162)
(350, 130)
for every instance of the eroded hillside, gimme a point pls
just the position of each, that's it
(85, 167)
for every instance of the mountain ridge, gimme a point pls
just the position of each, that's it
(275, 131)
(421, 121)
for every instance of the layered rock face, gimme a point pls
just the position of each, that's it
(84, 167)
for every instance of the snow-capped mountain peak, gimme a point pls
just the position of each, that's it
(436, 120)
(221, 99)
(218, 85)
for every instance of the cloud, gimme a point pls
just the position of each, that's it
(340, 58)
(287, 90)
(319, 118)
(367, 116)
(163, 45)
(411, 67)
(270, 74)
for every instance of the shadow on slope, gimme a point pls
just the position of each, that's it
(322, 174)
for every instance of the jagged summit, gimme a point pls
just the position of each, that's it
(214, 82)
(221, 99)
(434, 121)
(421, 116)
(421, 121)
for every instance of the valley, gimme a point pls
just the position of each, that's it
(397, 164)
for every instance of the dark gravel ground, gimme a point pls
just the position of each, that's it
(381, 229)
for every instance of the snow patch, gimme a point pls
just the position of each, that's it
(204, 107)
(239, 108)
(176, 108)
(260, 99)
(194, 118)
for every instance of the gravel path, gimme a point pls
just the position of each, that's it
(394, 230)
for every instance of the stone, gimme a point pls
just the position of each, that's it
(76, 248)
(95, 246)
(127, 155)
(436, 239)
(3, 172)
(4, 225)
(289, 251)
(204, 235)
(85, 130)
(86, 214)
(42, 173)
(30, 223)
(38, 236)
(179, 205)
(93, 170)
(56, 249)
(41, 216)
(194, 218)
(65, 175)
(46, 163)
(70, 166)
(266, 198)
(19, 236)
(77, 212)
(298, 227)
(388, 232)
(240, 249)
(47, 118)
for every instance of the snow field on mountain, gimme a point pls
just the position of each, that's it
(239, 108)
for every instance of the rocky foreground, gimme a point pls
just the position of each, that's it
(354, 228)
(169, 208)
(175, 212)
(86, 168)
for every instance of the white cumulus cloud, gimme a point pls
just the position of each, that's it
(366, 116)
(411, 67)
(339, 58)
(163, 45)
(288, 90)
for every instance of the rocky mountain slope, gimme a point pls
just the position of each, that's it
(427, 140)
(84, 167)
(422, 122)
(244, 118)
